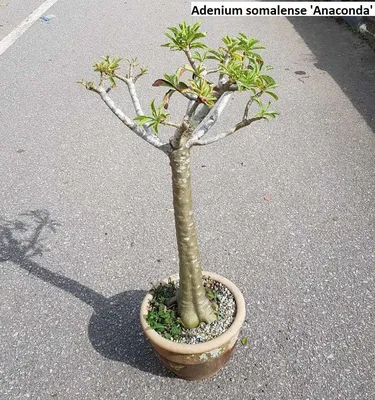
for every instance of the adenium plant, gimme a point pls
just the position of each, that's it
(238, 67)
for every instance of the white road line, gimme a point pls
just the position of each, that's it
(25, 25)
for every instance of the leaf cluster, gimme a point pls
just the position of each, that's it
(161, 318)
(87, 84)
(198, 86)
(158, 116)
(108, 66)
(185, 37)
(239, 67)
(264, 110)
(238, 62)
(204, 90)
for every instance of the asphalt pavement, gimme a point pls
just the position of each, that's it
(284, 209)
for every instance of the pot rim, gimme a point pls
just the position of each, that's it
(184, 348)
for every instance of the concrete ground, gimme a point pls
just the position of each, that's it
(304, 258)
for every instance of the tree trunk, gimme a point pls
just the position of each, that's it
(193, 305)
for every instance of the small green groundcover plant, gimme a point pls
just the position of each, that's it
(163, 313)
(163, 317)
(207, 81)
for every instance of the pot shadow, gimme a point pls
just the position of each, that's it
(115, 332)
(114, 329)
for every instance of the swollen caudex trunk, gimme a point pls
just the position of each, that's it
(193, 305)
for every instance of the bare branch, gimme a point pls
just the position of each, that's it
(130, 73)
(170, 123)
(249, 103)
(233, 87)
(121, 77)
(190, 58)
(146, 135)
(212, 71)
(211, 118)
(134, 97)
(138, 76)
(226, 87)
(222, 77)
(133, 94)
(191, 110)
(190, 104)
(190, 96)
(102, 79)
(197, 118)
(222, 135)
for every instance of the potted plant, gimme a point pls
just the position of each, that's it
(237, 67)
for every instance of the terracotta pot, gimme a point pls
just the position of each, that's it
(197, 361)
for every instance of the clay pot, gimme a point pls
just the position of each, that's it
(197, 361)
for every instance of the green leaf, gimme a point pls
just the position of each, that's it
(158, 327)
(269, 81)
(158, 116)
(153, 109)
(270, 114)
(167, 98)
(244, 341)
(201, 57)
(180, 71)
(274, 95)
(172, 81)
(162, 82)
(143, 119)
(215, 55)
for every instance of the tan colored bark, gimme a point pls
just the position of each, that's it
(193, 305)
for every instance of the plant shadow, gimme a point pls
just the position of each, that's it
(115, 332)
(114, 329)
